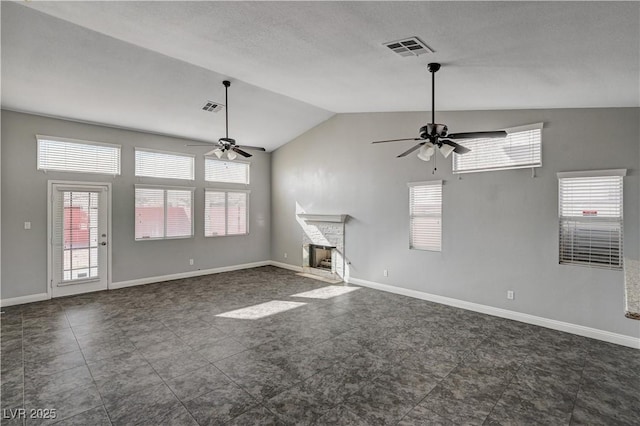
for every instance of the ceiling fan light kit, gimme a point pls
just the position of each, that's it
(434, 135)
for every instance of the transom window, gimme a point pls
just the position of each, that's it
(163, 212)
(226, 171)
(161, 164)
(425, 215)
(520, 149)
(590, 213)
(226, 213)
(70, 155)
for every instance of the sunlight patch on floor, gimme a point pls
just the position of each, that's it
(262, 310)
(326, 292)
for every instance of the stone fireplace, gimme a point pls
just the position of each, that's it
(323, 245)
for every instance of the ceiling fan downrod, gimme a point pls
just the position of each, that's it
(433, 68)
(226, 84)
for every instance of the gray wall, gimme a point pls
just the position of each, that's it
(24, 198)
(500, 229)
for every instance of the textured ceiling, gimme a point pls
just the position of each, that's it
(150, 65)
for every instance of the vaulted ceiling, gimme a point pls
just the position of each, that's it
(152, 65)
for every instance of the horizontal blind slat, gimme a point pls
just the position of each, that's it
(591, 223)
(79, 157)
(164, 165)
(425, 210)
(225, 171)
(515, 151)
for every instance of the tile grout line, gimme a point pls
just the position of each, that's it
(438, 383)
(24, 381)
(575, 400)
(93, 380)
(505, 388)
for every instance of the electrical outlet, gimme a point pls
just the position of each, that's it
(510, 294)
(190, 261)
(385, 273)
(27, 225)
(285, 255)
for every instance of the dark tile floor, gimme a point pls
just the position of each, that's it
(160, 354)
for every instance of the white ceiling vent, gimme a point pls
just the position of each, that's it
(211, 106)
(411, 46)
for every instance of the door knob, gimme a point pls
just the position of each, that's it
(103, 243)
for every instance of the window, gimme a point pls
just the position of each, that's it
(226, 213)
(521, 148)
(425, 212)
(166, 165)
(590, 210)
(163, 213)
(69, 155)
(225, 171)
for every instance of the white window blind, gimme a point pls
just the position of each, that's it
(521, 148)
(590, 210)
(226, 213)
(225, 171)
(425, 214)
(68, 155)
(166, 165)
(163, 213)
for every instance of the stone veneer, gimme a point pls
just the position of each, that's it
(325, 230)
(632, 288)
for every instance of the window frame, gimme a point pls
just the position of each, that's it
(510, 131)
(411, 186)
(158, 151)
(619, 220)
(226, 211)
(213, 158)
(117, 147)
(166, 188)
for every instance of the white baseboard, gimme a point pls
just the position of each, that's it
(594, 333)
(188, 274)
(286, 266)
(24, 299)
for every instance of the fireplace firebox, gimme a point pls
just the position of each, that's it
(320, 256)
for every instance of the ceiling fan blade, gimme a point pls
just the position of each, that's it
(398, 140)
(200, 144)
(410, 150)
(241, 152)
(478, 135)
(458, 149)
(255, 148)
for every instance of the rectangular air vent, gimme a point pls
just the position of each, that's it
(412, 46)
(211, 106)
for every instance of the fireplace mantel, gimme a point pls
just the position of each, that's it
(337, 218)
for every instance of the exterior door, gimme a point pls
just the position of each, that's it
(79, 238)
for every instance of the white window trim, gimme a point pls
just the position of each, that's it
(158, 151)
(77, 141)
(214, 158)
(226, 224)
(524, 128)
(165, 188)
(81, 141)
(592, 173)
(426, 183)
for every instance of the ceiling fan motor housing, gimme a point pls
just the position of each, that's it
(433, 130)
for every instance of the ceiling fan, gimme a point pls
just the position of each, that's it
(228, 144)
(434, 135)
